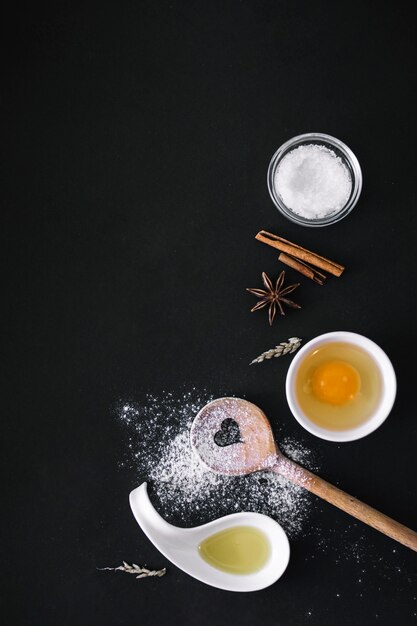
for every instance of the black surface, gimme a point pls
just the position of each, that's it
(136, 141)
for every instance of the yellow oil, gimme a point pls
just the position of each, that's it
(237, 550)
(338, 386)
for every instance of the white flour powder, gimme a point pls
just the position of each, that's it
(184, 491)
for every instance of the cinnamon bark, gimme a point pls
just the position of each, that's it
(300, 253)
(303, 268)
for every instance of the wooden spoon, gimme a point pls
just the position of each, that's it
(233, 436)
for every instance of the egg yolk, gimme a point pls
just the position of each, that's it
(335, 382)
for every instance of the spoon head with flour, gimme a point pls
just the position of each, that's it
(233, 436)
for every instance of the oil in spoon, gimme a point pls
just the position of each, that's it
(237, 550)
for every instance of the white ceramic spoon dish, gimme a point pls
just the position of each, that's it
(180, 545)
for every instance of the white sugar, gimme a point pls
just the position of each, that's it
(313, 181)
(184, 491)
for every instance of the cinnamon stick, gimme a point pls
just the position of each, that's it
(303, 268)
(294, 250)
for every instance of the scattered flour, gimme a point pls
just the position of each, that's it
(187, 493)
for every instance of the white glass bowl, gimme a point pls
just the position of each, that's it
(342, 151)
(388, 392)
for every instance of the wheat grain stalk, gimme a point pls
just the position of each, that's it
(141, 572)
(285, 347)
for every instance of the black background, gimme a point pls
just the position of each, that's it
(136, 141)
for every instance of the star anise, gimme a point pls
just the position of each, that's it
(274, 296)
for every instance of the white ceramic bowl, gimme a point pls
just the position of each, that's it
(180, 545)
(389, 387)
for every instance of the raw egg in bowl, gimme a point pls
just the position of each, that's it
(341, 386)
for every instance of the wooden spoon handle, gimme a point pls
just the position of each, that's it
(347, 503)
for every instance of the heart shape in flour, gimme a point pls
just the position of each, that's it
(228, 434)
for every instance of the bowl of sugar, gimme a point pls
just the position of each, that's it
(314, 179)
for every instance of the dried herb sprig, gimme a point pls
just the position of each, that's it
(285, 347)
(141, 572)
